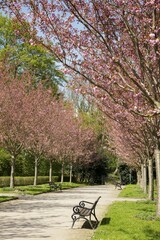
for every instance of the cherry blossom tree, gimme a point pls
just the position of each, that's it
(39, 103)
(113, 45)
(110, 48)
(33, 119)
(27, 115)
(133, 142)
(12, 118)
(73, 139)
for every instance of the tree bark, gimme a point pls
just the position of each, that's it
(145, 177)
(62, 173)
(130, 176)
(70, 173)
(50, 171)
(157, 158)
(151, 180)
(12, 171)
(142, 176)
(35, 171)
(139, 177)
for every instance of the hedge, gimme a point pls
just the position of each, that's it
(23, 181)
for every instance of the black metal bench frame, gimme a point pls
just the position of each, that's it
(118, 185)
(85, 210)
(55, 186)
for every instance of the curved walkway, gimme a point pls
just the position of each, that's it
(48, 216)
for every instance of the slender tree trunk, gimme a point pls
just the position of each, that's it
(62, 172)
(50, 171)
(139, 177)
(117, 169)
(12, 171)
(70, 173)
(142, 176)
(157, 158)
(151, 179)
(130, 176)
(35, 171)
(145, 176)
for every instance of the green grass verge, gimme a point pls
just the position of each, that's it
(6, 198)
(130, 220)
(132, 191)
(33, 190)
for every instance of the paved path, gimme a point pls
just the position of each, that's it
(48, 216)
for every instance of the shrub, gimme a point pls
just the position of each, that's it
(23, 181)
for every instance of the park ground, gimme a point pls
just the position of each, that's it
(48, 216)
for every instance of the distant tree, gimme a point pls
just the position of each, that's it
(12, 119)
(19, 56)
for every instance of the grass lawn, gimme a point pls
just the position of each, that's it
(128, 220)
(6, 198)
(132, 191)
(33, 190)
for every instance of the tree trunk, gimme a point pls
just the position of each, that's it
(62, 172)
(151, 180)
(139, 177)
(130, 176)
(35, 171)
(50, 171)
(142, 176)
(12, 171)
(145, 177)
(70, 173)
(157, 158)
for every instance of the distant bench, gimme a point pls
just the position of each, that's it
(117, 184)
(55, 186)
(85, 210)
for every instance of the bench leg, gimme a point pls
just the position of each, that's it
(74, 218)
(90, 222)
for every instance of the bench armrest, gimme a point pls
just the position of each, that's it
(84, 203)
(81, 210)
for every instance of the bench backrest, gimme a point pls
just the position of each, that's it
(95, 203)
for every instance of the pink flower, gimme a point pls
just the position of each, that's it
(152, 35)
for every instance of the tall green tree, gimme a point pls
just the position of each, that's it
(19, 56)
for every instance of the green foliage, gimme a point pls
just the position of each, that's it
(4, 163)
(24, 165)
(124, 221)
(127, 174)
(22, 181)
(20, 56)
(94, 119)
(93, 172)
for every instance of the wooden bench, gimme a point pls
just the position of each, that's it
(85, 210)
(117, 184)
(55, 186)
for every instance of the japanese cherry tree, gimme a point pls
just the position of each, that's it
(12, 118)
(110, 49)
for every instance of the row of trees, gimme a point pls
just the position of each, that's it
(33, 64)
(35, 121)
(110, 49)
